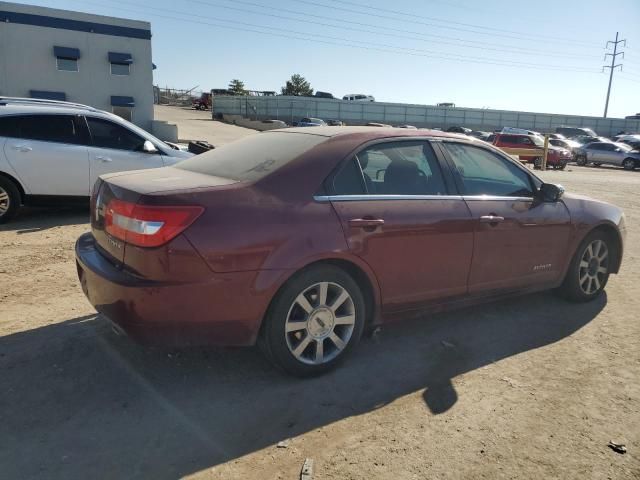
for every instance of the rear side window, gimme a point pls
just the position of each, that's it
(107, 134)
(9, 126)
(48, 128)
(349, 180)
(252, 157)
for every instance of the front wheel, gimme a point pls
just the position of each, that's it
(315, 320)
(629, 164)
(537, 163)
(589, 269)
(581, 160)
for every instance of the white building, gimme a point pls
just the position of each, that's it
(100, 61)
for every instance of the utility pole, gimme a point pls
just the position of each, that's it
(612, 67)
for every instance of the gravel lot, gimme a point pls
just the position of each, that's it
(529, 388)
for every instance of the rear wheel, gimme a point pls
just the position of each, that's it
(9, 199)
(581, 160)
(589, 269)
(537, 163)
(629, 164)
(596, 164)
(314, 322)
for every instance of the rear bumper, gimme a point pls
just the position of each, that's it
(223, 310)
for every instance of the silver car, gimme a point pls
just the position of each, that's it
(611, 153)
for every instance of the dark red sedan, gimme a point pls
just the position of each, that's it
(300, 239)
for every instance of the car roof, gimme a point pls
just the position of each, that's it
(14, 105)
(380, 132)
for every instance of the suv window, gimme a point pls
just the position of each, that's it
(48, 128)
(400, 168)
(482, 172)
(107, 134)
(9, 126)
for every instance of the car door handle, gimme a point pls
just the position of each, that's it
(22, 148)
(104, 159)
(366, 222)
(494, 219)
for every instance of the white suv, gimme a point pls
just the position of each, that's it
(53, 152)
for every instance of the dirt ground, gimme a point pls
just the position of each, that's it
(529, 388)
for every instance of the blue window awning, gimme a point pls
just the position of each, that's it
(48, 95)
(115, 57)
(66, 52)
(119, 101)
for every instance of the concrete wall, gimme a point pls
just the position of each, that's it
(292, 109)
(27, 61)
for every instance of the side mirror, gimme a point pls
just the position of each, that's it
(550, 192)
(149, 147)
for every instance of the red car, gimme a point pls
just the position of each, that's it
(557, 157)
(300, 239)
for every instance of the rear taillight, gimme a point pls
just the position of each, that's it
(145, 225)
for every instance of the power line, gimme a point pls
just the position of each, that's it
(513, 34)
(350, 42)
(384, 30)
(613, 66)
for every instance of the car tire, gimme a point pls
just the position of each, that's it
(305, 334)
(585, 280)
(9, 199)
(537, 163)
(596, 164)
(629, 164)
(581, 160)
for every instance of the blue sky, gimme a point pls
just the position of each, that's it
(543, 56)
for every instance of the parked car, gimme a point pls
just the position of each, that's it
(300, 239)
(358, 97)
(376, 124)
(456, 129)
(323, 95)
(570, 132)
(618, 154)
(480, 135)
(53, 152)
(570, 145)
(410, 127)
(203, 102)
(279, 123)
(335, 123)
(557, 157)
(310, 122)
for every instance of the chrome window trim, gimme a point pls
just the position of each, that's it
(475, 198)
(356, 198)
(471, 198)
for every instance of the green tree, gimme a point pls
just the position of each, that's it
(298, 85)
(236, 87)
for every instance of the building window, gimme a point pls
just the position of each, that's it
(120, 63)
(123, 112)
(119, 69)
(46, 95)
(66, 58)
(67, 64)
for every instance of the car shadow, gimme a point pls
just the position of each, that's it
(78, 401)
(37, 219)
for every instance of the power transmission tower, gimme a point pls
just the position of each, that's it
(613, 66)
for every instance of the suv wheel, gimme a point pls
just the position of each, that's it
(581, 160)
(315, 320)
(537, 163)
(629, 164)
(9, 200)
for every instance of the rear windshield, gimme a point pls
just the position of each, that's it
(252, 157)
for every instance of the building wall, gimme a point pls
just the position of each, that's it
(292, 109)
(27, 61)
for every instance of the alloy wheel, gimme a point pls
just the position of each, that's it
(594, 266)
(320, 323)
(629, 164)
(5, 201)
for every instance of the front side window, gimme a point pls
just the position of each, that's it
(48, 128)
(107, 134)
(119, 68)
(67, 64)
(481, 172)
(395, 168)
